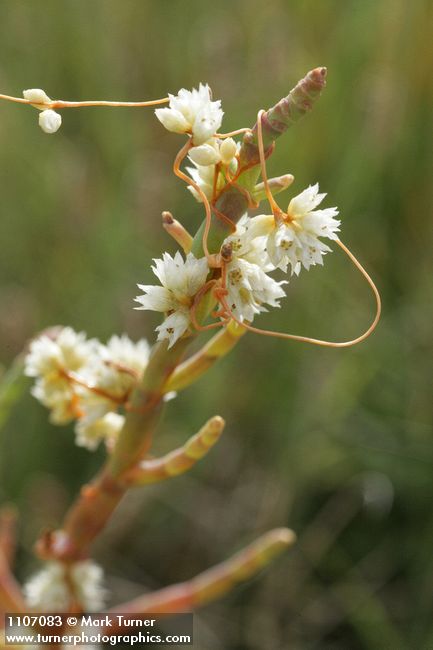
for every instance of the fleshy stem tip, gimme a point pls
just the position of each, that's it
(167, 218)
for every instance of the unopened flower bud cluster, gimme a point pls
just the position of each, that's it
(49, 120)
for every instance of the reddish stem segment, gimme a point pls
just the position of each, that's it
(214, 582)
(11, 599)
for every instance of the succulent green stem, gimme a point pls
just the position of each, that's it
(232, 202)
(94, 506)
(214, 582)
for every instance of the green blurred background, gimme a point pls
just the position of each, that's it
(334, 443)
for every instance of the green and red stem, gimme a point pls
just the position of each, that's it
(94, 506)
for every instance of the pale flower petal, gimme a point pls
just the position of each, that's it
(228, 150)
(204, 155)
(295, 240)
(207, 122)
(249, 286)
(50, 361)
(49, 121)
(192, 112)
(154, 298)
(173, 327)
(173, 120)
(90, 432)
(181, 279)
(37, 97)
(305, 202)
(250, 289)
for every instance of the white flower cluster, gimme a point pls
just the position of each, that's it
(205, 158)
(192, 112)
(295, 238)
(181, 280)
(49, 590)
(82, 379)
(49, 120)
(259, 246)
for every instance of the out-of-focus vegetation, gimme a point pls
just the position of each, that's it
(334, 443)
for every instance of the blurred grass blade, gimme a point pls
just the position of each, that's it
(12, 385)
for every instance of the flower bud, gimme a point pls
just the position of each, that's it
(37, 97)
(49, 121)
(172, 119)
(228, 150)
(204, 155)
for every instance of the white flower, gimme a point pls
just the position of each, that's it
(249, 287)
(37, 97)
(121, 353)
(204, 158)
(180, 279)
(205, 154)
(120, 365)
(295, 239)
(50, 361)
(50, 121)
(173, 120)
(88, 581)
(90, 430)
(228, 150)
(192, 112)
(249, 244)
(203, 176)
(48, 590)
(86, 380)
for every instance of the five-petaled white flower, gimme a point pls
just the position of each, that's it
(249, 287)
(119, 366)
(194, 112)
(91, 429)
(205, 157)
(181, 280)
(295, 237)
(203, 176)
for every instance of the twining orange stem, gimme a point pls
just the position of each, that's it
(187, 179)
(75, 379)
(274, 205)
(60, 103)
(232, 133)
(313, 341)
(17, 100)
(277, 212)
(122, 368)
(193, 311)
